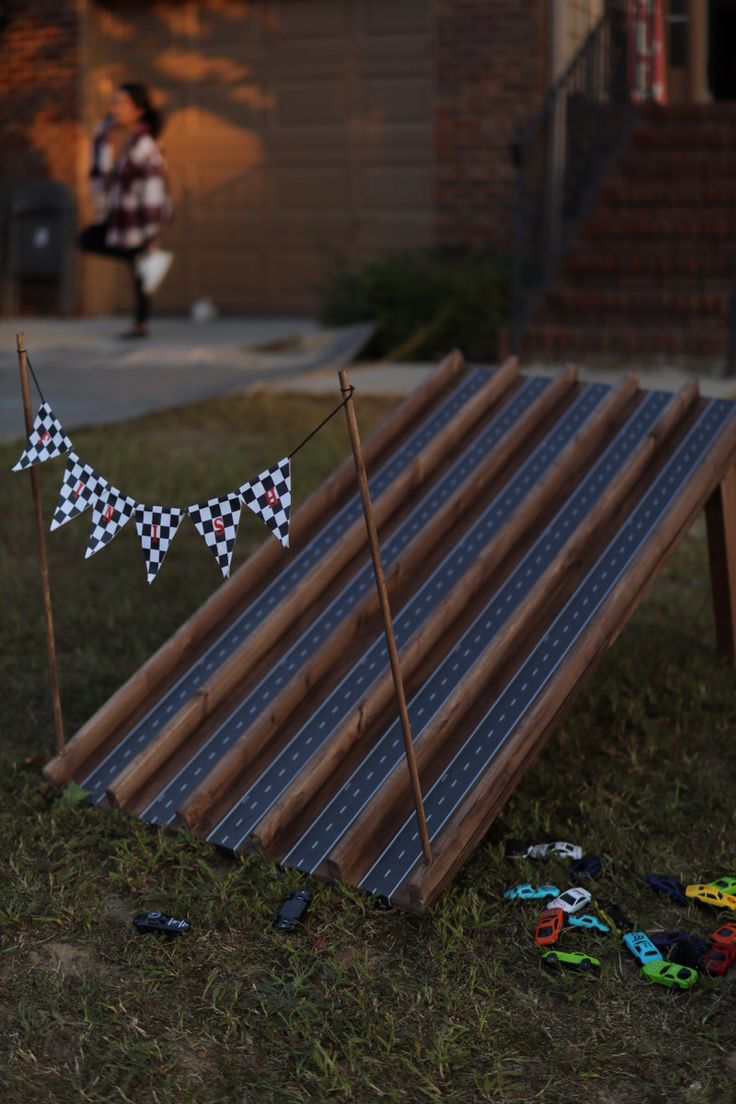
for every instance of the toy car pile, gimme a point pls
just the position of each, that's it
(666, 958)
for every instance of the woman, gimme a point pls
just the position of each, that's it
(132, 200)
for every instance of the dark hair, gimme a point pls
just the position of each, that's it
(139, 95)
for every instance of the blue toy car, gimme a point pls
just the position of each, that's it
(641, 946)
(588, 867)
(591, 923)
(527, 892)
(669, 885)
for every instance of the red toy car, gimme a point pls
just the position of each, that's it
(725, 935)
(551, 923)
(719, 958)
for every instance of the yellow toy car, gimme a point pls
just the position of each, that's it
(710, 895)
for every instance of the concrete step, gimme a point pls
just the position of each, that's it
(560, 340)
(602, 305)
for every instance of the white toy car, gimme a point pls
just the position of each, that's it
(572, 900)
(568, 850)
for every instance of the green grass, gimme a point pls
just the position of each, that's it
(358, 1004)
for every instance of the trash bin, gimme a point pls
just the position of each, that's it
(41, 244)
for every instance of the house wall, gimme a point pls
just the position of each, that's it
(40, 92)
(491, 76)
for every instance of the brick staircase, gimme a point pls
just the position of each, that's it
(649, 274)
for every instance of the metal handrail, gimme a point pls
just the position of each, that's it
(560, 155)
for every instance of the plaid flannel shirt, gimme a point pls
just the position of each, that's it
(131, 193)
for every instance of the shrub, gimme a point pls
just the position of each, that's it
(424, 302)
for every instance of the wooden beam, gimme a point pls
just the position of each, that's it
(720, 516)
(219, 607)
(224, 680)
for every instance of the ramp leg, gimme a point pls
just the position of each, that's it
(720, 517)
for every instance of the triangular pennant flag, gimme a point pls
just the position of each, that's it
(110, 512)
(79, 489)
(269, 497)
(47, 439)
(157, 526)
(217, 521)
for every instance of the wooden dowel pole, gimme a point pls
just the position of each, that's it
(354, 433)
(50, 639)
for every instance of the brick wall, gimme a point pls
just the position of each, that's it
(40, 47)
(491, 76)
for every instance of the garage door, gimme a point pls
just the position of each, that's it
(298, 135)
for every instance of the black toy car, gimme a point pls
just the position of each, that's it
(669, 885)
(689, 950)
(294, 908)
(160, 924)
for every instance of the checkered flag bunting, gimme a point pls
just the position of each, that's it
(217, 522)
(47, 439)
(110, 512)
(157, 526)
(79, 489)
(269, 497)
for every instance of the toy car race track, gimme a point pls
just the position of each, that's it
(522, 519)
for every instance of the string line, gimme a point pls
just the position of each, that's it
(33, 375)
(324, 422)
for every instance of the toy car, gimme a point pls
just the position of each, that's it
(670, 974)
(549, 926)
(719, 958)
(588, 867)
(567, 850)
(688, 951)
(570, 960)
(727, 884)
(641, 946)
(665, 940)
(572, 900)
(160, 923)
(591, 923)
(725, 935)
(527, 892)
(710, 895)
(669, 885)
(294, 908)
(612, 915)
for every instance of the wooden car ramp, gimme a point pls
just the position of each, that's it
(522, 519)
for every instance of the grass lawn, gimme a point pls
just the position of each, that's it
(358, 1004)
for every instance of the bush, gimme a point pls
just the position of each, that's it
(424, 302)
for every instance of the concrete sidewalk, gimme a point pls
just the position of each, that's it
(91, 378)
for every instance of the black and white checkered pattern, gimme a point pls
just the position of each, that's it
(269, 497)
(217, 521)
(110, 512)
(157, 526)
(79, 489)
(47, 439)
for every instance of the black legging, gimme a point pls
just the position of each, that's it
(92, 240)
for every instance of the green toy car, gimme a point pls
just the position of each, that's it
(726, 884)
(570, 960)
(670, 974)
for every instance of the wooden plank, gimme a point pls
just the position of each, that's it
(372, 830)
(720, 516)
(212, 693)
(248, 578)
(320, 776)
(468, 825)
(203, 807)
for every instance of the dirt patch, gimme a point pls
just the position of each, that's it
(66, 959)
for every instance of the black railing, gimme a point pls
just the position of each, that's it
(560, 156)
